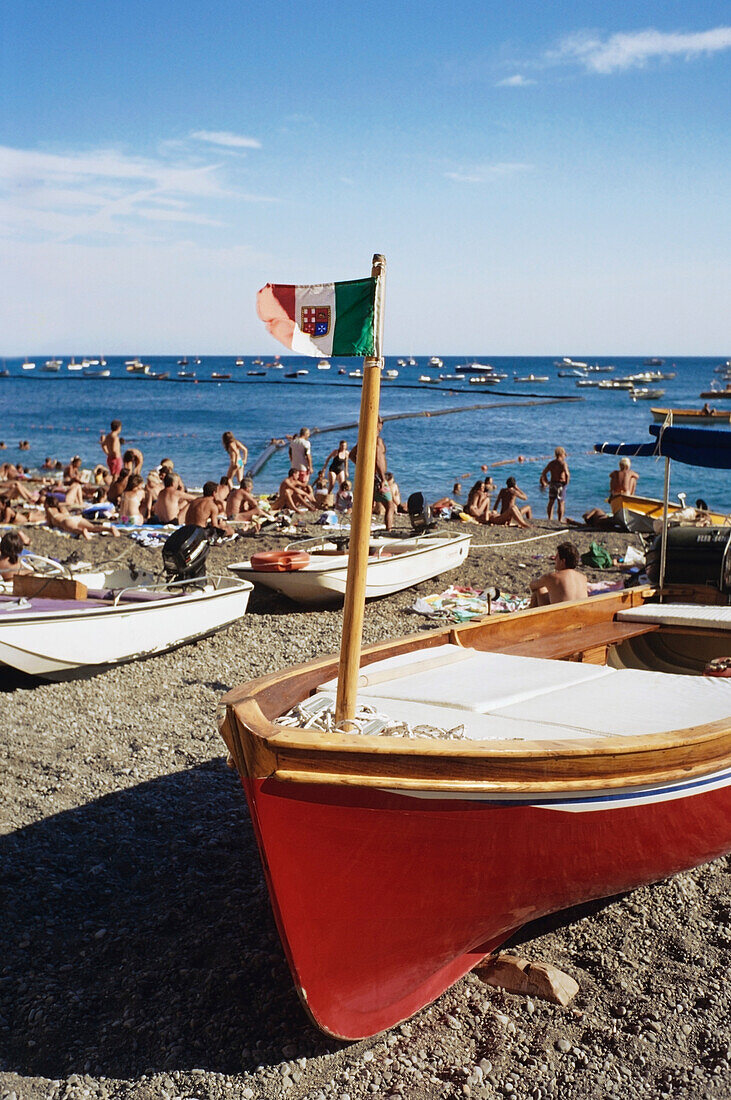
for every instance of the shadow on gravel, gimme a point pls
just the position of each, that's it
(137, 936)
(12, 680)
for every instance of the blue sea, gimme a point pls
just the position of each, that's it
(62, 414)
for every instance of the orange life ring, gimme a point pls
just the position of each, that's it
(279, 561)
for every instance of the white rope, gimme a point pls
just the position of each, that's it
(367, 721)
(519, 542)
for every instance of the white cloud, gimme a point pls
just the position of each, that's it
(517, 81)
(633, 50)
(227, 139)
(486, 173)
(104, 193)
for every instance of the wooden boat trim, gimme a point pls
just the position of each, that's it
(262, 749)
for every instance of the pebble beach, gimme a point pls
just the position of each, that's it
(140, 957)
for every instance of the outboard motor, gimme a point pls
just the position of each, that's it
(419, 513)
(695, 555)
(184, 554)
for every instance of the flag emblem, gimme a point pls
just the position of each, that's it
(315, 320)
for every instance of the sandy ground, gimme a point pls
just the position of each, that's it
(139, 956)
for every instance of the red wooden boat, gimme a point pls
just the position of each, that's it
(592, 757)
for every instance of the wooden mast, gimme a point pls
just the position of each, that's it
(360, 524)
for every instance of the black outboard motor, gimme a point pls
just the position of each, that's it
(184, 553)
(695, 555)
(419, 513)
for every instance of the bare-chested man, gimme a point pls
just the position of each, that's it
(381, 492)
(112, 447)
(295, 495)
(172, 503)
(208, 510)
(624, 480)
(565, 583)
(555, 477)
(58, 517)
(242, 504)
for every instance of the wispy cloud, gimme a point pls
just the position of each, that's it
(622, 51)
(105, 193)
(517, 81)
(226, 139)
(486, 173)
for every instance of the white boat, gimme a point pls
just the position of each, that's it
(530, 378)
(568, 362)
(136, 366)
(112, 574)
(484, 380)
(392, 374)
(355, 374)
(323, 365)
(644, 393)
(411, 362)
(427, 378)
(320, 565)
(28, 366)
(87, 632)
(73, 365)
(52, 365)
(435, 361)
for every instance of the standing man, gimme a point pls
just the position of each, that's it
(381, 492)
(110, 444)
(300, 455)
(556, 477)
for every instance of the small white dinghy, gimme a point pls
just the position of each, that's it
(314, 571)
(57, 628)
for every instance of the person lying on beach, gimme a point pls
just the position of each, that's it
(295, 495)
(131, 500)
(172, 503)
(15, 490)
(598, 520)
(58, 518)
(241, 504)
(624, 480)
(238, 455)
(209, 510)
(509, 510)
(11, 547)
(564, 583)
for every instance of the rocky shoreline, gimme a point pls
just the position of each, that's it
(139, 954)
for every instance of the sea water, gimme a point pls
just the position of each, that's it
(62, 414)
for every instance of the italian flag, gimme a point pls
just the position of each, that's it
(325, 319)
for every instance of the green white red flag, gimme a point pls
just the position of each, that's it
(323, 319)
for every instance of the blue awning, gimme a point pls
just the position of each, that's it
(708, 447)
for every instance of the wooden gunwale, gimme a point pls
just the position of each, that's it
(262, 749)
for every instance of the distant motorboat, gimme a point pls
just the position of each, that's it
(240, 363)
(644, 393)
(428, 378)
(411, 362)
(28, 366)
(484, 380)
(256, 373)
(188, 375)
(97, 374)
(530, 378)
(568, 362)
(220, 376)
(52, 365)
(389, 373)
(474, 368)
(135, 366)
(355, 374)
(183, 362)
(73, 365)
(401, 362)
(571, 374)
(323, 365)
(435, 361)
(653, 362)
(160, 376)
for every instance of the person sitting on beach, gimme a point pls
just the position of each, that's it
(11, 547)
(241, 504)
(153, 488)
(338, 460)
(344, 498)
(509, 510)
(323, 495)
(172, 503)
(478, 503)
(555, 477)
(112, 447)
(238, 455)
(624, 480)
(564, 583)
(293, 494)
(209, 510)
(72, 472)
(101, 477)
(49, 464)
(119, 484)
(395, 493)
(58, 518)
(130, 502)
(74, 494)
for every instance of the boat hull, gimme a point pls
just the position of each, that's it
(319, 584)
(384, 900)
(64, 643)
(641, 514)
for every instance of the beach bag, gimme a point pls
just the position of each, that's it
(597, 557)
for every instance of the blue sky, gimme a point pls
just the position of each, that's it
(542, 179)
